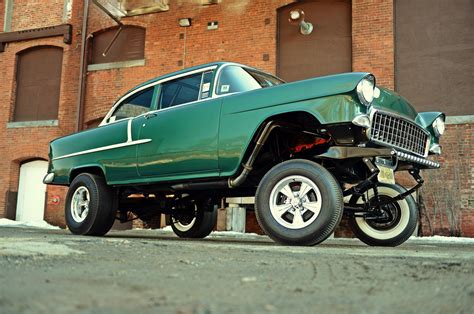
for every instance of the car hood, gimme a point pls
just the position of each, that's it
(391, 101)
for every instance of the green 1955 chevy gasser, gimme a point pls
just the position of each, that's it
(309, 151)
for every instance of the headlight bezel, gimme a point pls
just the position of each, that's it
(366, 90)
(439, 126)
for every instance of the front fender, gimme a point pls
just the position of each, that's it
(426, 120)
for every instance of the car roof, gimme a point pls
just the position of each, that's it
(197, 67)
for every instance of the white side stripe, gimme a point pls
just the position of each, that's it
(129, 131)
(99, 149)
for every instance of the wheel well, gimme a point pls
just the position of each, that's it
(307, 121)
(92, 169)
(297, 129)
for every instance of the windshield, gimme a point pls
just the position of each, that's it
(235, 79)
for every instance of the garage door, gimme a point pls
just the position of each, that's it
(327, 50)
(31, 191)
(434, 49)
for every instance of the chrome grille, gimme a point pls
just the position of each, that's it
(394, 131)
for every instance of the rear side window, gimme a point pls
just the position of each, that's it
(180, 91)
(264, 79)
(234, 79)
(133, 106)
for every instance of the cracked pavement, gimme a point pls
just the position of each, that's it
(52, 271)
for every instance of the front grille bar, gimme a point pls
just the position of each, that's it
(391, 130)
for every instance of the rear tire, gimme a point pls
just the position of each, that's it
(91, 205)
(298, 202)
(196, 222)
(403, 223)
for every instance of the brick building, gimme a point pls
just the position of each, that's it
(424, 49)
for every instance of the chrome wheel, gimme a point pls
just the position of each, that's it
(80, 204)
(295, 202)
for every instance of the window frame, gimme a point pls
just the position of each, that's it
(202, 74)
(157, 86)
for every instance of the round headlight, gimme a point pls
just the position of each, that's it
(365, 90)
(438, 126)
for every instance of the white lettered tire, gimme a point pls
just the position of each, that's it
(389, 232)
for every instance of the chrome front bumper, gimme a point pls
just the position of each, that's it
(48, 178)
(345, 152)
(419, 160)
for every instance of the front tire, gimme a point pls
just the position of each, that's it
(195, 221)
(298, 202)
(389, 232)
(91, 205)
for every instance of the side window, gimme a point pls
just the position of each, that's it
(265, 80)
(234, 79)
(180, 91)
(133, 106)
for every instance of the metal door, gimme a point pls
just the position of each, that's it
(434, 54)
(327, 50)
(38, 80)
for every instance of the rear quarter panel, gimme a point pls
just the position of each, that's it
(115, 163)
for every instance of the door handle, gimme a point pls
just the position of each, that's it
(150, 115)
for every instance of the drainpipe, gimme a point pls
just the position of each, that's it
(83, 68)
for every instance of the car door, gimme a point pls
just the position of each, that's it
(120, 160)
(183, 132)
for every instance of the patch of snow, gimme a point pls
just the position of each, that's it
(215, 234)
(4, 222)
(26, 247)
(437, 239)
(233, 234)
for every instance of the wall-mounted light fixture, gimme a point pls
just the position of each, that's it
(297, 18)
(184, 22)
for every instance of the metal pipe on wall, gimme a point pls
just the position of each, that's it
(83, 68)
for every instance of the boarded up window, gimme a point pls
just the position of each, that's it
(327, 50)
(129, 45)
(38, 81)
(434, 48)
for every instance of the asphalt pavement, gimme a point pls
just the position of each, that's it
(142, 271)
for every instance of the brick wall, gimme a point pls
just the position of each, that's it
(2, 15)
(28, 143)
(448, 195)
(372, 39)
(36, 13)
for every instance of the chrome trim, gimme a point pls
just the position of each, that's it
(373, 111)
(422, 161)
(359, 121)
(436, 149)
(48, 178)
(129, 130)
(118, 102)
(108, 147)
